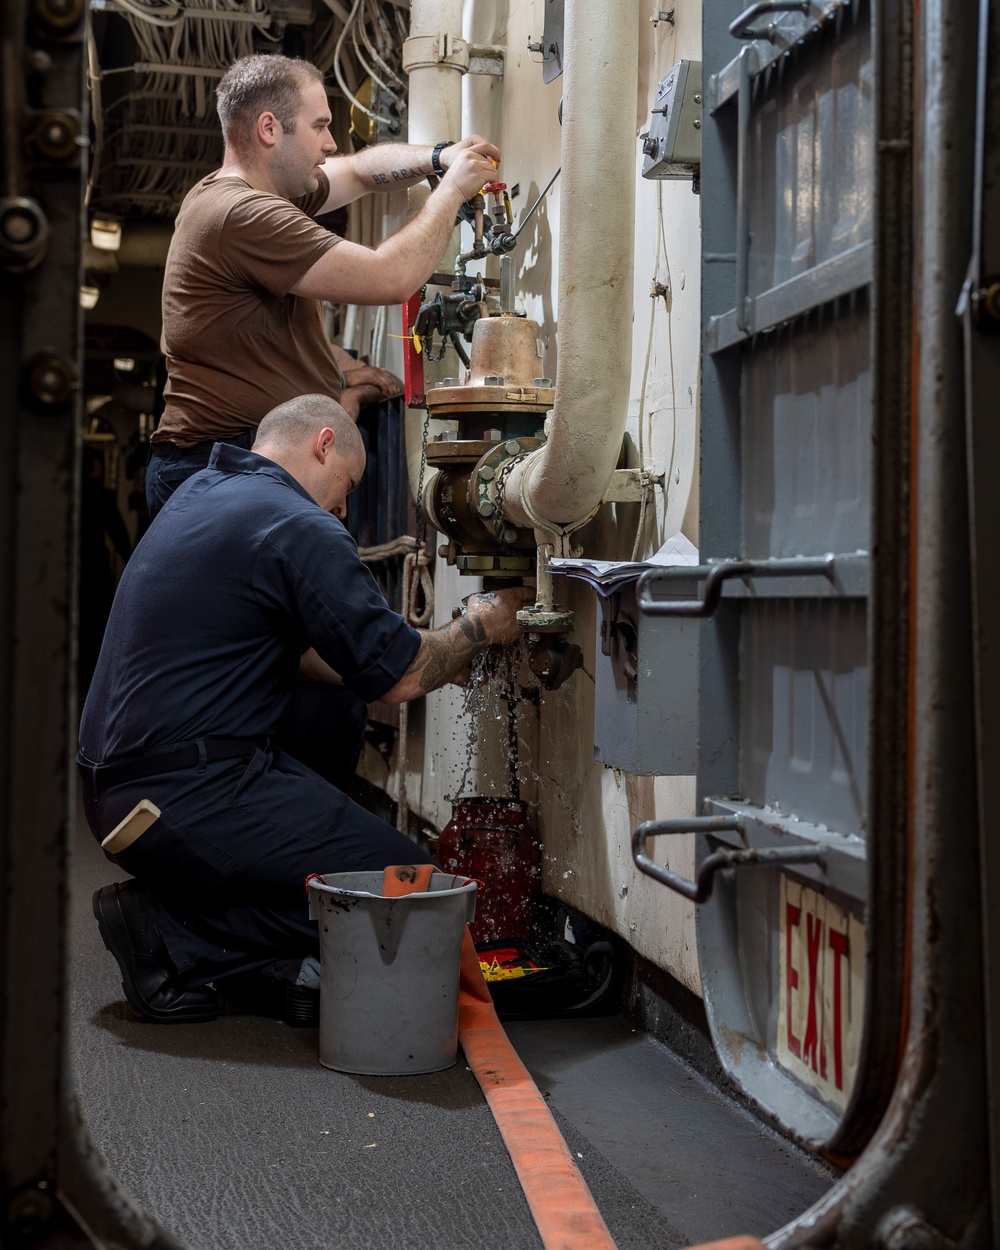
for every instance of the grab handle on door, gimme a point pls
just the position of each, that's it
(746, 64)
(741, 28)
(700, 890)
(792, 566)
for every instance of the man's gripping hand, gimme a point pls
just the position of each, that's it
(448, 154)
(497, 611)
(490, 618)
(367, 384)
(470, 168)
(387, 384)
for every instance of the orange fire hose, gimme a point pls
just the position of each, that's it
(732, 1243)
(561, 1204)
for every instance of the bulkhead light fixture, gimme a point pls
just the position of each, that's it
(106, 234)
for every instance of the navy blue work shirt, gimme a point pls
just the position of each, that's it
(239, 574)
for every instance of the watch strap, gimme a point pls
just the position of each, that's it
(436, 151)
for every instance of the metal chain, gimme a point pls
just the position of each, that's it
(418, 560)
(421, 519)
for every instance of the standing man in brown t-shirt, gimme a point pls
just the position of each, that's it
(248, 266)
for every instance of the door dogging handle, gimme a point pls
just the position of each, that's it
(792, 566)
(700, 890)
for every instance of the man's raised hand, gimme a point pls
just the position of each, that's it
(470, 169)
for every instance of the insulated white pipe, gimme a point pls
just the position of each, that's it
(434, 113)
(563, 482)
(435, 90)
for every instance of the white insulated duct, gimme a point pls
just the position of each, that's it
(562, 483)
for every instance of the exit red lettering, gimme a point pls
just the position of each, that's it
(839, 946)
(814, 933)
(792, 916)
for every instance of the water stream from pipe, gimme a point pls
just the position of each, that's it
(493, 693)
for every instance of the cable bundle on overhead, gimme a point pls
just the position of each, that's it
(159, 136)
(162, 134)
(367, 45)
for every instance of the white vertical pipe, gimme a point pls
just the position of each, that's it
(565, 480)
(435, 91)
(434, 113)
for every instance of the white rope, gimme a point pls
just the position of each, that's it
(416, 558)
(384, 551)
(416, 572)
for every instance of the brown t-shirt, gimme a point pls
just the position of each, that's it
(236, 342)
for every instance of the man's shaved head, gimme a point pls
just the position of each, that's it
(315, 440)
(291, 423)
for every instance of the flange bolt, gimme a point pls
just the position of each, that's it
(49, 382)
(24, 232)
(55, 136)
(30, 1210)
(59, 17)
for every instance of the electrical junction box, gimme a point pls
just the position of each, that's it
(673, 145)
(646, 684)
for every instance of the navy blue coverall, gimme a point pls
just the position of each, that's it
(240, 573)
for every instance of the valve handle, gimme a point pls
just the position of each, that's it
(494, 188)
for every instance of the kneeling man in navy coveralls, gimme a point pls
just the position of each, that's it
(246, 577)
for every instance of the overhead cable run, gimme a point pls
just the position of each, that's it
(152, 87)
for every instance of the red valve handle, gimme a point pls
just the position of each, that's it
(494, 188)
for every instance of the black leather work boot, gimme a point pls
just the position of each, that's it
(274, 991)
(149, 979)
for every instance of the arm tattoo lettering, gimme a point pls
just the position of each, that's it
(380, 179)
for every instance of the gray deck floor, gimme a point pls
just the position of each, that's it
(232, 1136)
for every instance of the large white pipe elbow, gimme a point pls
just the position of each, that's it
(563, 482)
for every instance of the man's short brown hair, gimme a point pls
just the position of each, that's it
(263, 83)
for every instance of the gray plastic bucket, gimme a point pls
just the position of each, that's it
(388, 1003)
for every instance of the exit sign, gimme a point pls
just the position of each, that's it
(822, 987)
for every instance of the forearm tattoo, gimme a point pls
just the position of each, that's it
(410, 174)
(445, 652)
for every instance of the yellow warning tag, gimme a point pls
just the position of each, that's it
(495, 971)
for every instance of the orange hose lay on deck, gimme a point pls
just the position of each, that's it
(731, 1243)
(561, 1204)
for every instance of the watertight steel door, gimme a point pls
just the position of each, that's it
(803, 586)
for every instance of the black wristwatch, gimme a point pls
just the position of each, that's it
(436, 151)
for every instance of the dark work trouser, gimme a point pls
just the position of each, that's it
(169, 465)
(323, 727)
(226, 863)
